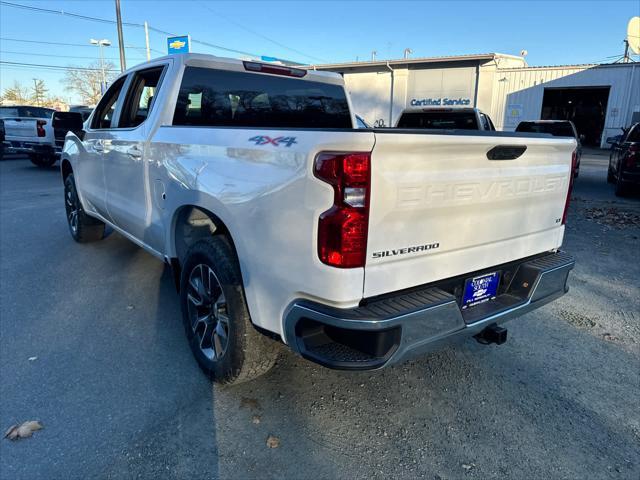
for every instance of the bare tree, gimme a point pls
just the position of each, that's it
(17, 93)
(86, 82)
(39, 92)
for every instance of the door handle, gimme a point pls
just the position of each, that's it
(134, 153)
(506, 152)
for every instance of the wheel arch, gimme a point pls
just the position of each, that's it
(191, 223)
(65, 168)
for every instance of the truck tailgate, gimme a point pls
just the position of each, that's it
(440, 207)
(21, 128)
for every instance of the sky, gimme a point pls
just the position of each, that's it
(552, 32)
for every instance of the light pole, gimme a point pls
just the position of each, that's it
(101, 43)
(123, 62)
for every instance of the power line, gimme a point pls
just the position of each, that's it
(57, 56)
(231, 20)
(126, 24)
(62, 12)
(23, 40)
(53, 67)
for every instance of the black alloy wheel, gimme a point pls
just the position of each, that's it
(207, 308)
(72, 207)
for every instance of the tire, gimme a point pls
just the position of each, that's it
(621, 188)
(215, 315)
(82, 227)
(610, 177)
(43, 161)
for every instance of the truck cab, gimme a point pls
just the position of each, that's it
(437, 118)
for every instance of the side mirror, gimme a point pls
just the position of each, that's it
(68, 121)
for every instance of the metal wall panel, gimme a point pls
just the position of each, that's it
(518, 93)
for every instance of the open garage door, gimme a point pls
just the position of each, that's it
(585, 107)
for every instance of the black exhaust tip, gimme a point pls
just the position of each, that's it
(492, 334)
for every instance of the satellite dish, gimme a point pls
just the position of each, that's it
(523, 53)
(633, 34)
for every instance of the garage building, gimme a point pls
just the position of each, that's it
(599, 99)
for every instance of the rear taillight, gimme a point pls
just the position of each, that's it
(574, 159)
(342, 230)
(40, 128)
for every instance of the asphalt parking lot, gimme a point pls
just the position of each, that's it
(92, 346)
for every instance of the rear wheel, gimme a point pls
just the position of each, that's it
(82, 227)
(216, 320)
(43, 161)
(621, 188)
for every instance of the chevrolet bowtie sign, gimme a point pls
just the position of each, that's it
(181, 44)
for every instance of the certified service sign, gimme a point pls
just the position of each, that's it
(181, 44)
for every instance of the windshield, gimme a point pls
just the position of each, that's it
(557, 129)
(439, 120)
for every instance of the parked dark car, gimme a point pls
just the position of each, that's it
(83, 110)
(557, 128)
(624, 161)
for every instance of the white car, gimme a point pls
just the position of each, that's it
(29, 130)
(285, 224)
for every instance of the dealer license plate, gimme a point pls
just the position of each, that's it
(480, 289)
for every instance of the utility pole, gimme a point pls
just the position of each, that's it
(123, 62)
(146, 37)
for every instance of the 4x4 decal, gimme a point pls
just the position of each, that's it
(276, 142)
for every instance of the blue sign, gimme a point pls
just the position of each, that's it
(436, 102)
(181, 44)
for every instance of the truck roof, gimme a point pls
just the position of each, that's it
(226, 63)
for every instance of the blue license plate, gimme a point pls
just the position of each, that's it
(480, 289)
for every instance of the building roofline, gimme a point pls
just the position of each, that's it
(576, 65)
(413, 61)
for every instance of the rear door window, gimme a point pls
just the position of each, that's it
(107, 106)
(221, 98)
(140, 97)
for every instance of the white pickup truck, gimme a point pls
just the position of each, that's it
(29, 130)
(283, 223)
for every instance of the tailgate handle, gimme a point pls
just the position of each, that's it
(506, 152)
